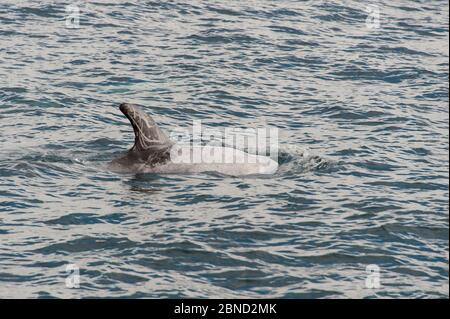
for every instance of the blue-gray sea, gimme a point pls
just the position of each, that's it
(359, 92)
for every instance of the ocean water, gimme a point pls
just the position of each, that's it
(359, 206)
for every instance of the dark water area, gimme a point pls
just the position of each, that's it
(363, 121)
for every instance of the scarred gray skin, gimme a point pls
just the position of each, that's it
(154, 152)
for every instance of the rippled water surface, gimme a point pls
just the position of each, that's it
(364, 160)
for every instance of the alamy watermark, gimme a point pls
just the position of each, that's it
(73, 16)
(75, 10)
(73, 276)
(228, 145)
(373, 277)
(373, 16)
(73, 13)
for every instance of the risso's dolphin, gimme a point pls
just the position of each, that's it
(154, 152)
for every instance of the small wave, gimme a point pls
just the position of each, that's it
(297, 160)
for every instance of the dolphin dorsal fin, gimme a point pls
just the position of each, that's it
(146, 133)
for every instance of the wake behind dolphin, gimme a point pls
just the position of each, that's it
(154, 152)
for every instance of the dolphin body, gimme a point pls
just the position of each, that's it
(154, 152)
